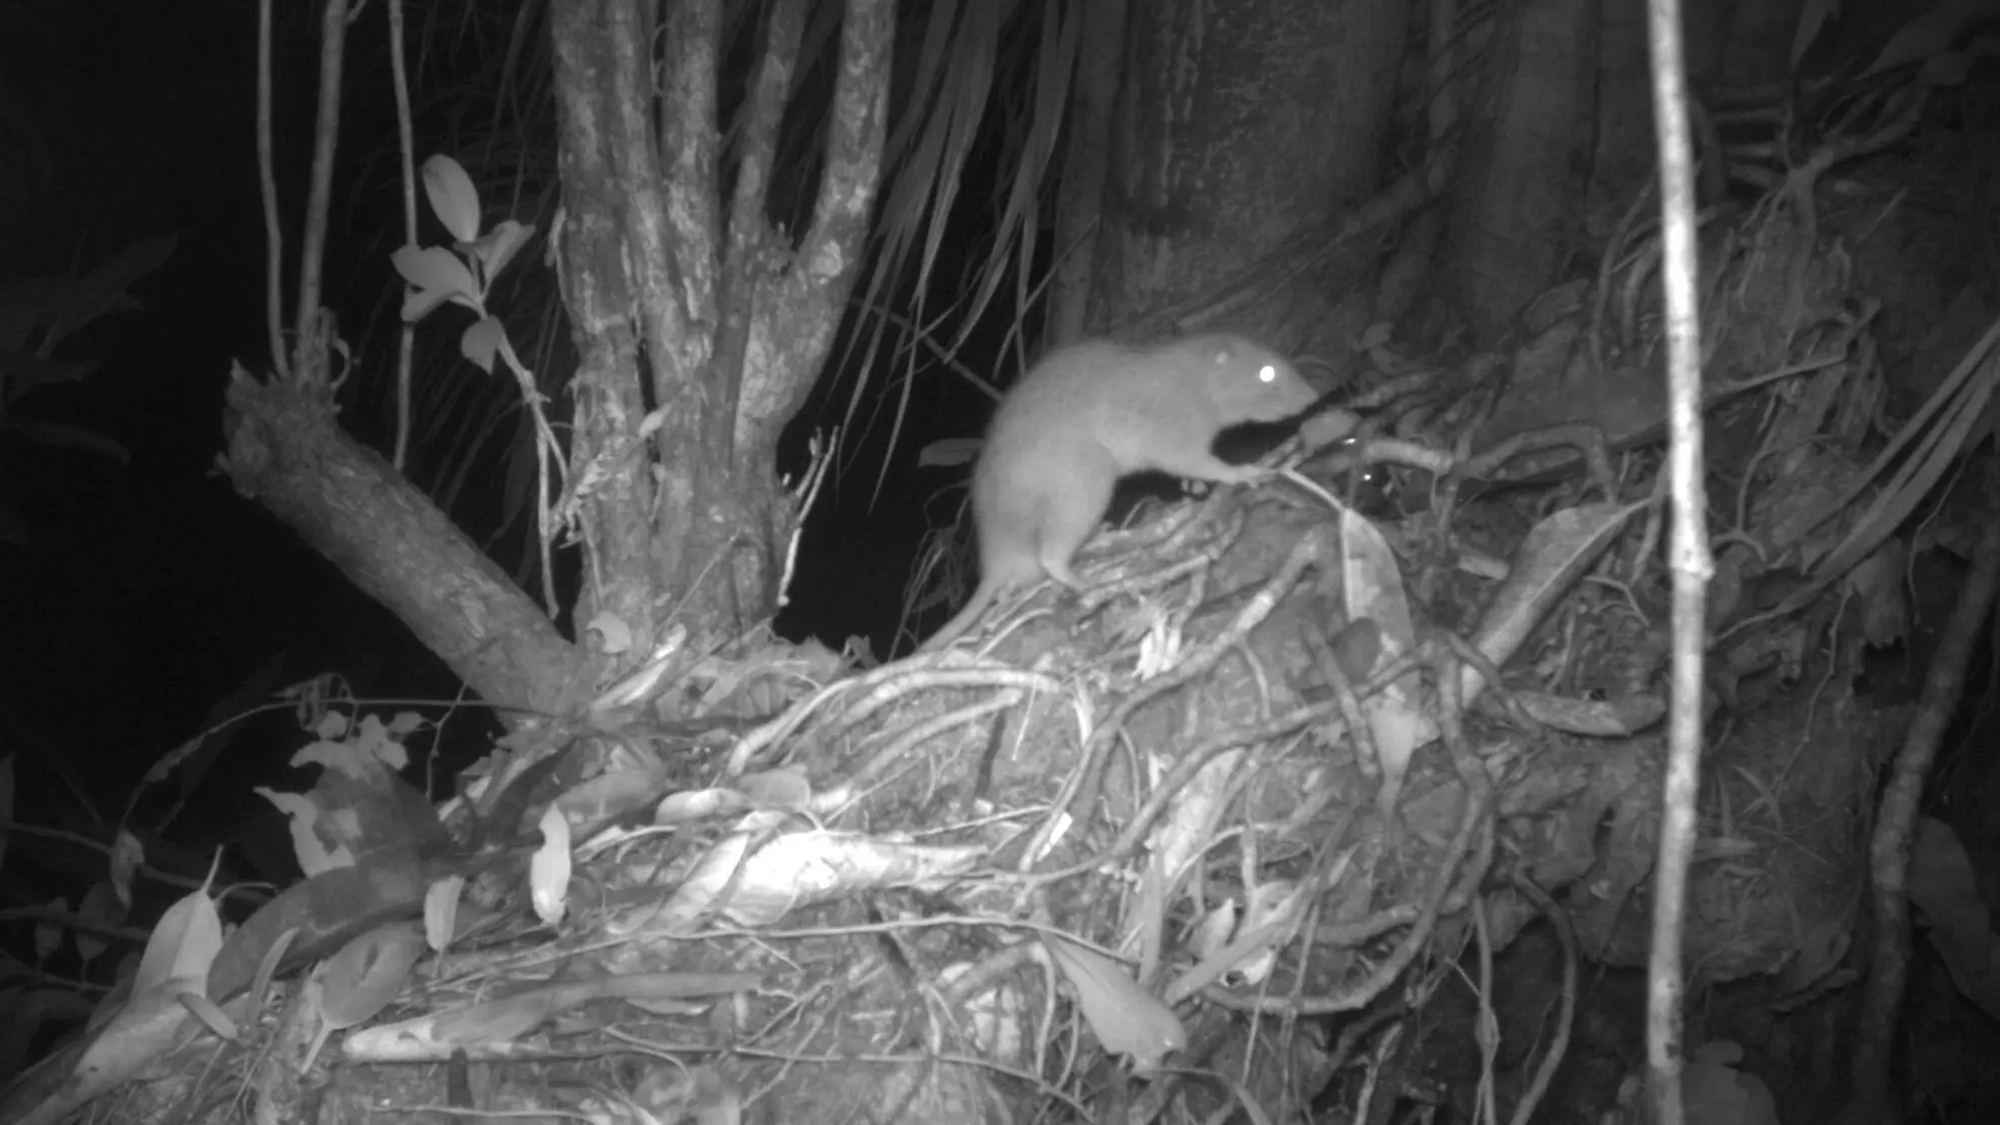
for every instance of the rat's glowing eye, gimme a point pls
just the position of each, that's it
(1267, 374)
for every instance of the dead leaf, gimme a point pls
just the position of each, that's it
(183, 944)
(481, 1027)
(146, 1027)
(1126, 1018)
(1553, 557)
(350, 987)
(368, 973)
(441, 911)
(767, 877)
(1372, 589)
(549, 870)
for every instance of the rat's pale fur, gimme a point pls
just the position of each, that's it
(1095, 411)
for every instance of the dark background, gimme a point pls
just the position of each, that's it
(152, 590)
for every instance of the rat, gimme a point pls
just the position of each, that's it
(1091, 412)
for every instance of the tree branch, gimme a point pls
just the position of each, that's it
(690, 144)
(808, 298)
(750, 238)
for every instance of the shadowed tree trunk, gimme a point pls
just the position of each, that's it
(1238, 126)
(1525, 171)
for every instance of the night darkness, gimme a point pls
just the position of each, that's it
(152, 590)
(140, 602)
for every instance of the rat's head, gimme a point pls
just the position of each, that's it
(1249, 382)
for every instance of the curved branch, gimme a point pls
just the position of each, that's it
(798, 311)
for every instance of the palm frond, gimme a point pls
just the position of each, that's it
(974, 56)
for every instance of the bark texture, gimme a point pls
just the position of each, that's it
(1240, 124)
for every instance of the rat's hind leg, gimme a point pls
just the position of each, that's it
(1069, 522)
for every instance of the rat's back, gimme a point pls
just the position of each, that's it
(1062, 393)
(1135, 401)
(1090, 413)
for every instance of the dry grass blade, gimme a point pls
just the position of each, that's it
(970, 53)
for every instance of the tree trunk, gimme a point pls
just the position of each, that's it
(1525, 171)
(678, 297)
(1093, 106)
(1623, 160)
(1757, 41)
(733, 318)
(1241, 124)
(350, 505)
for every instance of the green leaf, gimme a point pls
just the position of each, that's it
(102, 291)
(452, 197)
(437, 274)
